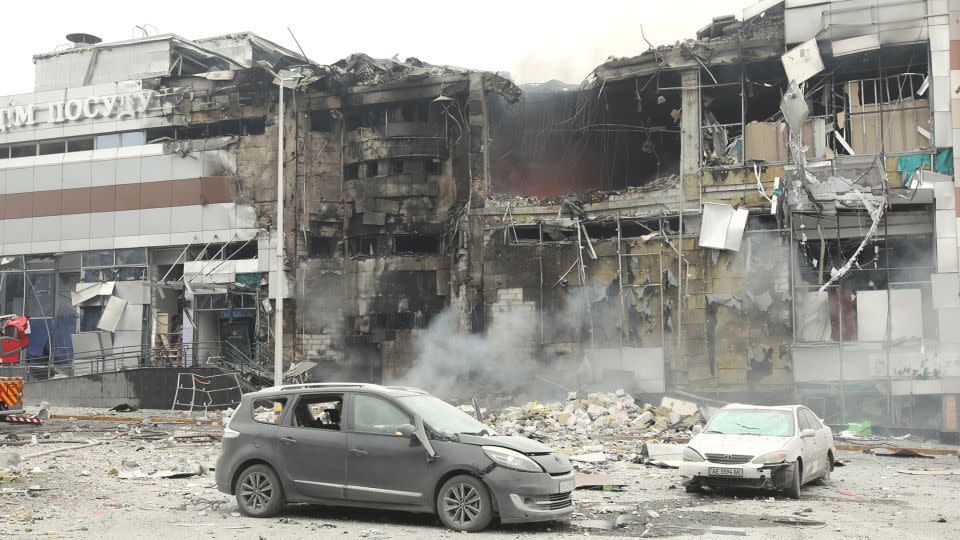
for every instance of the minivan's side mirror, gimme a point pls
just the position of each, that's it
(406, 431)
(807, 433)
(421, 434)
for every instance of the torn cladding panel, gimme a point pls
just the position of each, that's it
(794, 107)
(111, 314)
(802, 62)
(91, 291)
(722, 226)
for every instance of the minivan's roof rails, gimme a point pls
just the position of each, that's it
(408, 389)
(323, 385)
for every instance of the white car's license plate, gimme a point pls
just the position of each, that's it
(724, 471)
(566, 485)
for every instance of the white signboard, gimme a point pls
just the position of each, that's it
(119, 106)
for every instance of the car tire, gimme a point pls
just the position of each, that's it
(825, 477)
(692, 488)
(259, 493)
(464, 504)
(793, 490)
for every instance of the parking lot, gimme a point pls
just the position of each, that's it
(117, 487)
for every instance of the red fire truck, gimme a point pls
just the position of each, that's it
(13, 343)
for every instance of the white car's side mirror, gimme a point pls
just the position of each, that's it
(807, 433)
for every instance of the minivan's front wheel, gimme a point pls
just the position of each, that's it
(259, 493)
(464, 504)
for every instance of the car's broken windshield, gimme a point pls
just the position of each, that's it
(767, 422)
(444, 417)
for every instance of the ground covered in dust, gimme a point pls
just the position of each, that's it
(119, 488)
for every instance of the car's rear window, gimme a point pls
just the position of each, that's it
(267, 410)
(769, 422)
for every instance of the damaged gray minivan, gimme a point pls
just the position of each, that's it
(345, 444)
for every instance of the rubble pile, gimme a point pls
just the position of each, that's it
(601, 427)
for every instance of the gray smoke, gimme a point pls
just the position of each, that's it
(507, 358)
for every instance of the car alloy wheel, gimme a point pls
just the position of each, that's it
(256, 491)
(462, 504)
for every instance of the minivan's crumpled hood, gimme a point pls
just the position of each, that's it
(520, 444)
(551, 462)
(747, 445)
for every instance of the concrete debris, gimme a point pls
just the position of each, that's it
(662, 455)
(44, 412)
(603, 427)
(797, 521)
(603, 482)
(930, 472)
(686, 408)
(715, 529)
(123, 407)
(602, 524)
(8, 459)
(592, 457)
(197, 438)
(899, 452)
(183, 469)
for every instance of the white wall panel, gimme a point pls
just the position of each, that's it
(101, 225)
(186, 218)
(126, 223)
(46, 229)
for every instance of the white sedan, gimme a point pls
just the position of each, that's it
(775, 448)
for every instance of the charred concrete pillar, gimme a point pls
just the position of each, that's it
(470, 304)
(689, 167)
(690, 122)
(479, 133)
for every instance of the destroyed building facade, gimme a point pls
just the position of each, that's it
(798, 164)
(767, 210)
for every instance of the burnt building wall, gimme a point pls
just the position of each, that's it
(382, 168)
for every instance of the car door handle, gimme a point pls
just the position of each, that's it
(357, 452)
(288, 440)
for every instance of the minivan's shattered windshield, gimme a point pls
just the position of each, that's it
(752, 422)
(444, 417)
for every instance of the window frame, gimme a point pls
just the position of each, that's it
(352, 425)
(283, 410)
(14, 146)
(812, 419)
(290, 421)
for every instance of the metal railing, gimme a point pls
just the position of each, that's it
(225, 355)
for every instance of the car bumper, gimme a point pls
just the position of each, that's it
(528, 497)
(775, 477)
(222, 477)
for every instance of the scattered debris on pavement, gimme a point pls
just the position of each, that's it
(603, 482)
(899, 452)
